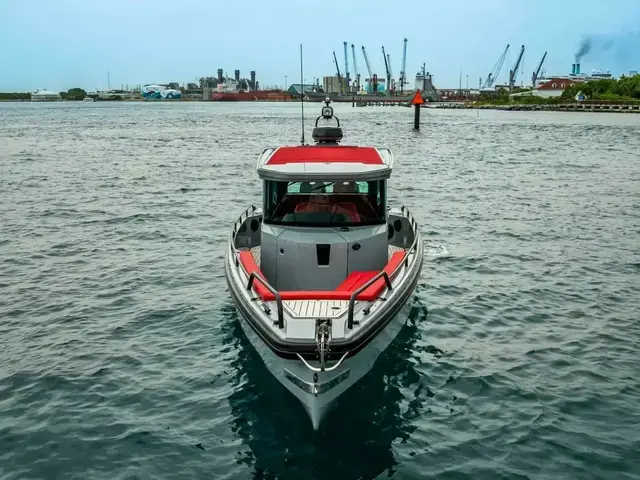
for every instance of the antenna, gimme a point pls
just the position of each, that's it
(302, 88)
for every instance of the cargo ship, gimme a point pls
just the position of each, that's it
(257, 95)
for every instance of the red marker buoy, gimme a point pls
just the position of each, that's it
(416, 101)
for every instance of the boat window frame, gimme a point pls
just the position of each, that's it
(380, 192)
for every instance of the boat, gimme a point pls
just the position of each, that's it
(256, 95)
(323, 271)
(88, 99)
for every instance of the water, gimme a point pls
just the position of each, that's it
(121, 357)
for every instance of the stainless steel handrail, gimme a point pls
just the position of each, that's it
(261, 159)
(239, 220)
(254, 275)
(414, 245)
(391, 157)
(273, 291)
(352, 299)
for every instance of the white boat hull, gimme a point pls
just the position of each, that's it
(352, 368)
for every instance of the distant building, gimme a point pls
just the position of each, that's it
(192, 86)
(380, 85)
(452, 94)
(333, 84)
(297, 89)
(160, 92)
(552, 87)
(45, 96)
(114, 94)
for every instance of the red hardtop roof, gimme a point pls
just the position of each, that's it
(322, 154)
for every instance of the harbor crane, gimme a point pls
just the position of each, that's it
(373, 78)
(388, 70)
(403, 72)
(335, 59)
(346, 67)
(355, 67)
(392, 82)
(535, 75)
(513, 73)
(493, 75)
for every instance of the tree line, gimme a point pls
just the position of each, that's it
(71, 94)
(622, 89)
(15, 96)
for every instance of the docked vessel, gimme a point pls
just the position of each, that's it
(323, 272)
(256, 95)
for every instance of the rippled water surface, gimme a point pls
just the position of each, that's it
(120, 352)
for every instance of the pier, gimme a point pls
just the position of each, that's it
(381, 102)
(560, 107)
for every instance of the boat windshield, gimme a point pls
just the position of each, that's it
(315, 204)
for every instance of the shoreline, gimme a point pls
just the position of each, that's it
(559, 107)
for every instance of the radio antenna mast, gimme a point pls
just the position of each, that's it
(302, 98)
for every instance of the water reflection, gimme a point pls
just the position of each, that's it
(355, 440)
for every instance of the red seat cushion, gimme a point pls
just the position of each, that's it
(373, 291)
(347, 209)
(311, 207)
(342, 292)
(355, 280)
(250, 265)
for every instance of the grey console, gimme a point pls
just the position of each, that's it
(304, 258)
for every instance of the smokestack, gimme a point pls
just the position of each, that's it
(236, 75)
(220, 79)
(253, 80)
(573, 69)
(577, 69)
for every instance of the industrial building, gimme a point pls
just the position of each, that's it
(45, 96)
(161, 92)
(554, 86)
(333, 84)
(297, 89)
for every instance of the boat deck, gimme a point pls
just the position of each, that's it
(316, 308)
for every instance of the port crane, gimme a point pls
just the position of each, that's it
(373, 78)
(535, 75)
(493, 75)
(392, 82)
(335, 59)
(388, 70)
(346, 67)
(403, 76)
(355, 67)
(513, 73)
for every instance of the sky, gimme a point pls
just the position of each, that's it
(61, 44)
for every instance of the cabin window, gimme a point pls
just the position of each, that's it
(340, 203)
